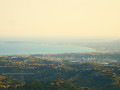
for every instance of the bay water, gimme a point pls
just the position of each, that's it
(37, 48)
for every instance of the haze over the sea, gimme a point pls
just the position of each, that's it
(56, 39)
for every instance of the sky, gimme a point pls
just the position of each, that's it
(60, 18)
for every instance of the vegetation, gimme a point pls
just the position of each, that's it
(88, 71)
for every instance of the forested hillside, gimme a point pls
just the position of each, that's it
(98, 71)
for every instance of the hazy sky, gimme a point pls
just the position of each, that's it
(61, 18)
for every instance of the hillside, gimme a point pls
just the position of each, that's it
(113, 46)
(97, 71)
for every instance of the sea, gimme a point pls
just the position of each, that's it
(10, 48)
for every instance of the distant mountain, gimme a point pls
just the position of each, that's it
(116, 42)
(113, 46)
